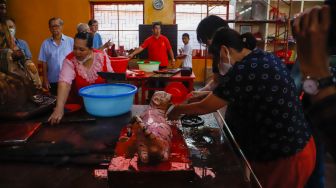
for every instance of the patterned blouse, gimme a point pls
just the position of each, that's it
(264, 111)
(70, 65)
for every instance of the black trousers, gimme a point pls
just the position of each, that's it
(53, 88)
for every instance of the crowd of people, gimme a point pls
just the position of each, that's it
(68, 64)
(54, 50)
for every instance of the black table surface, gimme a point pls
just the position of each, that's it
(66, 155)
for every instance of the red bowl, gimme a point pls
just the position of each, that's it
(138, 72)
(70, 108)
(119, 64)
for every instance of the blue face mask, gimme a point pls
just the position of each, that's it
(224, 67)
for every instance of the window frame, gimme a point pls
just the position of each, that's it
(207, 3)
(92, 4)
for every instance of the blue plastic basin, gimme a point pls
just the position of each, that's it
(107, 100)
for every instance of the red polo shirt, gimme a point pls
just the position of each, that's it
(157, 49)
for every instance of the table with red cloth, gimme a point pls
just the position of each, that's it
(142, 82)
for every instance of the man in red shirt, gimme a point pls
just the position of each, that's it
(158, 45)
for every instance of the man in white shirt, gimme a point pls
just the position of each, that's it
(186, 51)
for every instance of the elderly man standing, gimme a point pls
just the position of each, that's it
(52, 53)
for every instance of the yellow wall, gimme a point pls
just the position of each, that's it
(165, 15)
(198, 69)
(32, 18)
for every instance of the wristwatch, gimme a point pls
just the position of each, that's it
(312, 86)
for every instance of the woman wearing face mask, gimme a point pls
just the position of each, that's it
(264, 112)
(7, 41)
(22, 54)
(220, 69)
(79, 69)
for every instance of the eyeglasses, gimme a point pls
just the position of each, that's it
(57, 26)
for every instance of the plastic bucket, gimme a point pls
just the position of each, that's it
(149, 66)
(119, 64)
(106, 100)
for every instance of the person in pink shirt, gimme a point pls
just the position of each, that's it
(79, 69)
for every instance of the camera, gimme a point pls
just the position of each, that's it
(332, 28)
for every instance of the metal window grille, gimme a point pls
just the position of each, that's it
(188, 15)
(119, 22)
